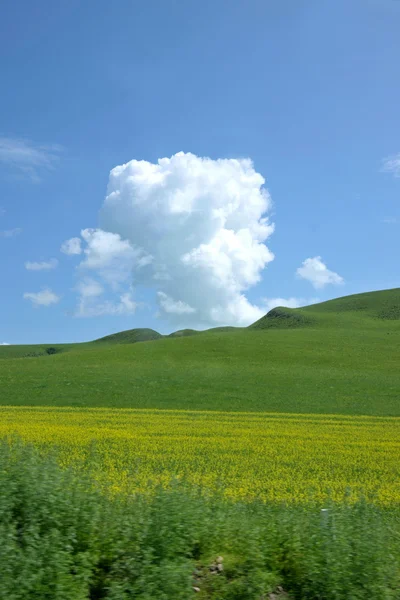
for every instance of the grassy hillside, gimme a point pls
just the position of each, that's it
(131, 336)
(369, 310)
(284, 318)
(292, 370)
(184, 333)
(343, 359)
(379, 305)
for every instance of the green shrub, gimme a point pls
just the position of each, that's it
(61, 539)
(52, 350)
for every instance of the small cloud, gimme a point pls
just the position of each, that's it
(391, 164)
(43, 298)
(317, 273)
(27, 157)
(391, 220)
(2, 211)
(9, 233)
(72, 246)
(4, 344)
(271, 303)
(42, 266)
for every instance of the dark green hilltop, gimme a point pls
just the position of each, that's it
(340, 356)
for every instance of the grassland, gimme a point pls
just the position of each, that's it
(350, 372)
(346, 361)
(225, 441)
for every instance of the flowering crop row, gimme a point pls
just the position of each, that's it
(277, 457)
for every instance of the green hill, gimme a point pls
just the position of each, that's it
(359, 310)
(283, 318)
(371, 305)
(183, 333)
(131, 336)
(340, 356)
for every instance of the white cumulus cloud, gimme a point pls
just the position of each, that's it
(42, 266)
(72, 246)
(192, 228)
(317, 273)
(391, 164)
(4, 344)
(43, 298)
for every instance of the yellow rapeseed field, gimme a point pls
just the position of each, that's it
(278, 457)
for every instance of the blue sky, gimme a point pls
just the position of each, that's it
(308, 91)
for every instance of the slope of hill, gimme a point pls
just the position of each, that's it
(183, 333)
(131, 336)
(283, 318)
(384, 304)
(359, 310)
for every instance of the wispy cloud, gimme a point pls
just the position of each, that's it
(391, 164)
(42, 266)
(391, 220)
(9, 233)
(26, 157)
(43, 298)
(4, 344)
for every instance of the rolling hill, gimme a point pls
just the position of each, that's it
(366, 310)
(359, 310)
(340, 356)
(131, 336)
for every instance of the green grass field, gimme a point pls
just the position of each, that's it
(338, 357)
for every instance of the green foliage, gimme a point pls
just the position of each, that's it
(51, 350)
(63, 540)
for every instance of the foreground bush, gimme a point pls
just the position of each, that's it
(60, 539)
